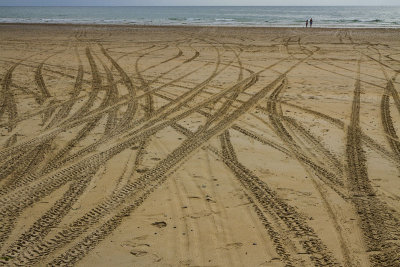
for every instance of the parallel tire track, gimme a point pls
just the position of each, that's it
(280, 211)
(277, 122)
(65, 109)
(96, 87)
(132, 106)
(378, 223)
(387, 123)
(44, 92)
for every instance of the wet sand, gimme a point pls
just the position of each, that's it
(199, 146)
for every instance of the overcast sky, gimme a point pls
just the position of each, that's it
(194, 2)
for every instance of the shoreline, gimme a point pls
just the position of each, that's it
(194, 26)
(206, 16)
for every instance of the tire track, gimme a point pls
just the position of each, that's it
(29, 115)
(20, 176)
(179, 213)
(8, 104)
(275, 116)
(212, 118)
(282, 132)
(112, 121)
(393, 91)
(341, 125)
(110, 97)
(387, 123)
(158, 174)
(82, 134)
(66, 107)
(145, 86)
(333, 162)
(55, 182)
(144, 143)
(44, 92)
(51, 68)
(322, 173)
(180, 53)
(163, 112)
(46, 136)
(12, 106)
(51, 218)
(261, 139)
(96, 87)
(192, 229)
(377, 222)
(11, 140)
(132, 105)
(335, 183)
(149, 109)
(196, 54)
(146, 184)
(191, 94)
(46, 143)
(216, 125)
(235, 93)
(281, 211)
(18, 173)
(88, 118)
(49, 111)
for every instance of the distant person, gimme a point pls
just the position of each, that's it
(306, 23)
(310, 22)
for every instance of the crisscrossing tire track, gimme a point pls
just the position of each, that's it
(145, 102)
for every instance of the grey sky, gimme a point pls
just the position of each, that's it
(193, 2)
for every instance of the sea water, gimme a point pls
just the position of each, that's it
(337, 17)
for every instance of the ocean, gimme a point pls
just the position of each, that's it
(335, 17)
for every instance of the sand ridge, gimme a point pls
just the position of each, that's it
(199, 146)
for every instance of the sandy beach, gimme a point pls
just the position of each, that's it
(199, 146)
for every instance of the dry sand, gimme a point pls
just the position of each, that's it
(185, 146)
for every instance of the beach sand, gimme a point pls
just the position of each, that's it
(199, 146)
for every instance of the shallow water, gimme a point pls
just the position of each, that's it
(340, 17)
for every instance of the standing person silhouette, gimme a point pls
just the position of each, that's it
(306, 23)
(311, 23)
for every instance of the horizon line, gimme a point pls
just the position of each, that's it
(200, 6)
